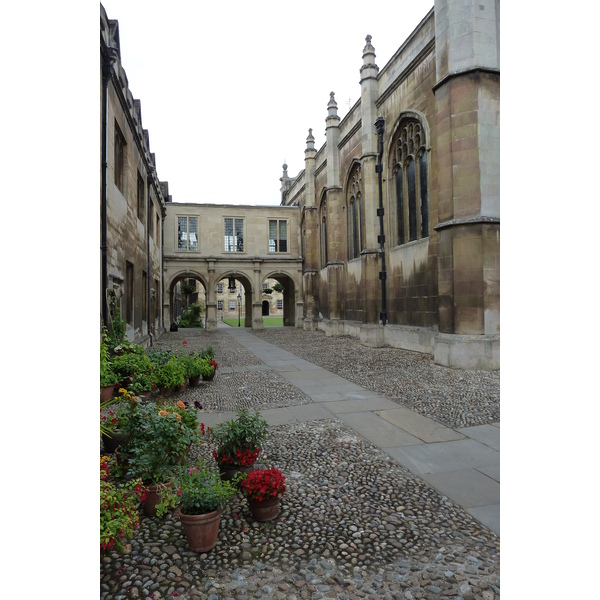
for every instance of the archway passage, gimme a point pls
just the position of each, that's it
(292, 309)
(185, 290)
(265, 308)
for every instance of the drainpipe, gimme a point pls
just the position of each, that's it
(148, 224)
(108, 59)
(380, 125)
(163, 213)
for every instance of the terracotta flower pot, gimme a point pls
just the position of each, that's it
(153, 497)
(201, 531)
(265, 510)
(106, 392)
(228, 472)
(166, 391)
(143, 396)
(113, 440)
(209, 377)
(194, 381)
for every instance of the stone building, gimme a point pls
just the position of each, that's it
(391, 232)
(400, 223)
(132, 203)
(242, 248)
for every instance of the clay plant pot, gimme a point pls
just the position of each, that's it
(194, 381)
(209, 377)
(166, 391)
(153, 497)
(228, 472)
(265, 510)
(113, 440)
(201, 531)
(106, 392)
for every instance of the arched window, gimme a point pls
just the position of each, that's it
(410, 177)
(355, 215)
(323, 237)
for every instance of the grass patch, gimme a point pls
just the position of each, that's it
(267, 321)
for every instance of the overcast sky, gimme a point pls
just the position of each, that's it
(228, 90)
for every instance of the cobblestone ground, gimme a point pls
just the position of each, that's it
(354, 524)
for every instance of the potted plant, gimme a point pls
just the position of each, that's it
(116, 418)
(142, 383)
(108, 378)
(193, 368)
(161, 440)
(263, 489)
(202, 496)
(238, 442)
(170, 375)
(209, 369)
(132, 362)
(119, 516)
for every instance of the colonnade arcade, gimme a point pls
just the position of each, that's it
(250, 275)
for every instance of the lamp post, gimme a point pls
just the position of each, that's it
(239, 297)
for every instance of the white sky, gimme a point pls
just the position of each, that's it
(229, 90)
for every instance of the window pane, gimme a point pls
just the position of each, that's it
(424, 199)
(228, 235)
(272, 236)
(361, 234)
(231, 304)
(282, 236)
(182, 233)
(412, 200)
(400, 206)
(193, 226)
(239, 235)
(354, 231)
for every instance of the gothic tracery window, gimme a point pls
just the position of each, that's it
(355, 215)
(410, 179)
(323, 236)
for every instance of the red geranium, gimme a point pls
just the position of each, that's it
(263, 484)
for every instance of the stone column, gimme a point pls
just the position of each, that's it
(370, 254)
(211, 299)
(336, 243)
(310, 230)
(467, 98)
(257, 320)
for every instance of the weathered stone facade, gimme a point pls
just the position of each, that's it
(391, 231)
(439, 153)
(132, 202)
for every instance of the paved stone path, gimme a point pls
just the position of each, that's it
(463, 464)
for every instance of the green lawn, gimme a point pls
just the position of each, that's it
(267, 321)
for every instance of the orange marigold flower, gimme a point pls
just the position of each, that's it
(178, 417)
(163, 413)
(181, 404)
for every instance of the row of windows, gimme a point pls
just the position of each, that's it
(409, 208)
(119, 174)
(129, 295)
(233, 234)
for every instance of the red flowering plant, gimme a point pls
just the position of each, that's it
(119, 516)
(263, 484)
(238, 441)
(118, 413)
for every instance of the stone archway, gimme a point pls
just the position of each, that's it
(292, 300)
(176, 301)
